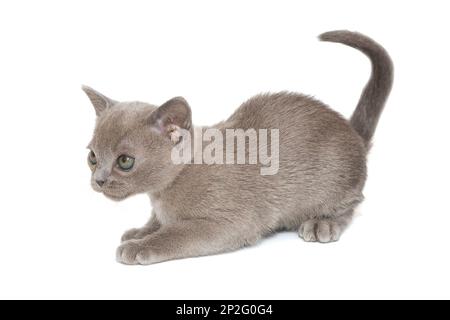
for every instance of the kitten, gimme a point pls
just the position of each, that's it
(208, 209)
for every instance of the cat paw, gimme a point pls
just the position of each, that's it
(130, 234)
(139, 233)
(321, 230)
(133, 252)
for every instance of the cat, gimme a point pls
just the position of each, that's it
(208, 209)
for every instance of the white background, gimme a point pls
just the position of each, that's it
(58, 237)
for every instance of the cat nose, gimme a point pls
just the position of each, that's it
(100, 182)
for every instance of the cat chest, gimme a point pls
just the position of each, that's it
(162, 212)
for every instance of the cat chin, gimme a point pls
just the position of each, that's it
(115, 197)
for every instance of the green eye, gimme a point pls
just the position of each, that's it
(125, 162)
(92, 158)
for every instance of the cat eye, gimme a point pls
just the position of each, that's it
(92, 158)
(125, 162)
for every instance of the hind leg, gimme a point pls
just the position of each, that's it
(328, 223)
(324, 229)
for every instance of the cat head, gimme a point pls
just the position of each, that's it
(130, 151)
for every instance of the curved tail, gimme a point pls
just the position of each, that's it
(365, 118)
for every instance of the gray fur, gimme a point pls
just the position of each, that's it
(373, 98)
(208, 209)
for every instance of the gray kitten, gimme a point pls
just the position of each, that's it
(208, 209)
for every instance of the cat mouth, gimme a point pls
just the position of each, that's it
(111, 193)
(115, 197)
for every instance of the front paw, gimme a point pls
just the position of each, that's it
(130, 234)
(136, 234)
(133, 252)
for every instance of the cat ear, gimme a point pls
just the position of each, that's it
(172, 116)
(98, 100)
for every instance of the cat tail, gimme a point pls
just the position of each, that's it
(373, 98)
